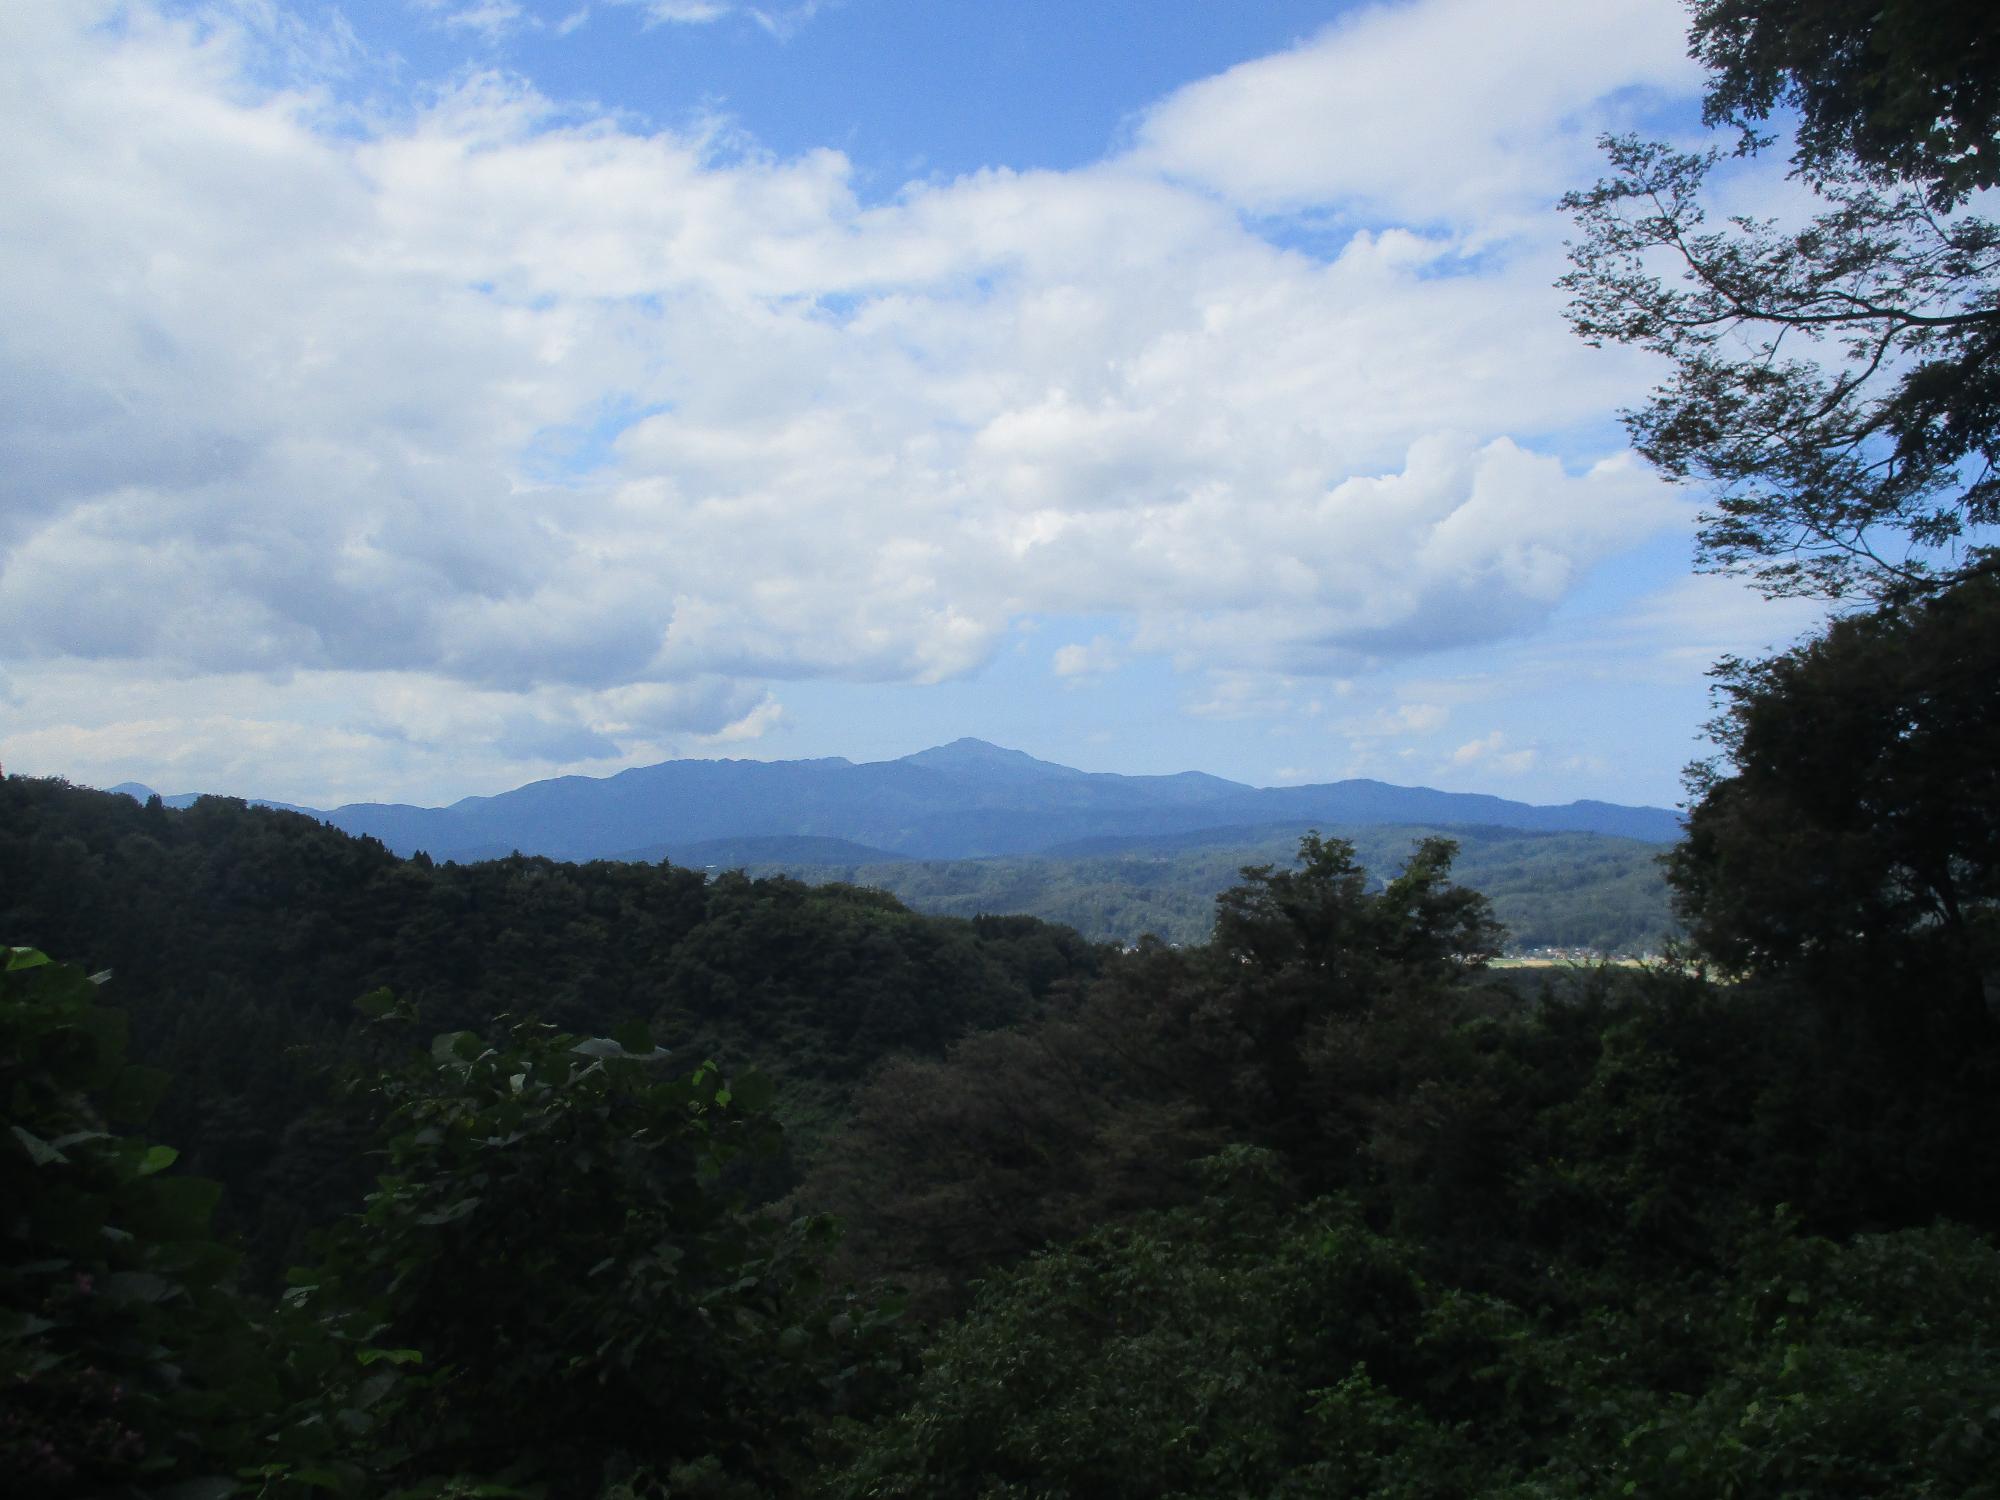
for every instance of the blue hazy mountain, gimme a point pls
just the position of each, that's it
(964, 800)
(138, 791)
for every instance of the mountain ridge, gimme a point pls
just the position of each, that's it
(964, 800)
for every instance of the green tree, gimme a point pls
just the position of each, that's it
(127, 1366)
(1907, 90)
(1855, 843)
(1097, 1109)
(1321, 921)
(1838, 381)
(555, 1284)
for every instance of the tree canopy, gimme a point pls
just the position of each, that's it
(1856, 841)
(1905, 90)
(1837, 380)
(1318, 1208)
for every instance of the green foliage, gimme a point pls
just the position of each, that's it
(1315, 1209)
(1864, 1369)
(1098, 1109)
(126, 1366)
(1196, 1353)
(240, 936)
(1855, 843)
(1905, 90)
(555, 1285)
(1321, 920)
(1836, 382)
(1240, 1347)
(1548, 890)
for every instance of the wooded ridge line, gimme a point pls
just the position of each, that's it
(965, 800)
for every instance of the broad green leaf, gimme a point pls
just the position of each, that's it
(40, 1152)
(157, 1159)
(25, 958)
(376, 1003)
(449, 1046)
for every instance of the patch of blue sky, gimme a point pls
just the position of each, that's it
(539, 302)
(1579, 445)
(1320, 234)
(1610, 588)
(574, 451)
(839, 308)
(909, 90)
(1468, 261)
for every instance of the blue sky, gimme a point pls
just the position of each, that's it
(408, 399)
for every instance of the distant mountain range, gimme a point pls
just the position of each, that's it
(965, 800)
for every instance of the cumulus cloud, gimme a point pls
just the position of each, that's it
(1395, 723)
(1493, 751)
(323, 738)
(279, 383)
(1080, 662)
(1453, 111)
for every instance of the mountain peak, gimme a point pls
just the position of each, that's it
(970, 755)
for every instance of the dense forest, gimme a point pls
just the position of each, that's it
(1574, 891)
(239, 938)
(328, 1172)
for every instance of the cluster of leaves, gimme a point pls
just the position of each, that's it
(555, 1285)
(555, 1290)
(1837, 381)
(1239, 1346)
(1853, 842)
(125, 1364)
(1900, 90)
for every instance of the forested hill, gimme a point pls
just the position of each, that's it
(239, 935)
(1576, 891)
(964, 800)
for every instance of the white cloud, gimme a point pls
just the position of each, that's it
(781, 22)
(1401, 720)
(1454, 111)
(1697, 619)
(279, 387)
(323, 738)
(1082, 662)
(491, 20)
(1492, 751)
(680, 12)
